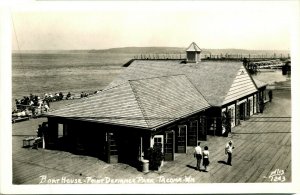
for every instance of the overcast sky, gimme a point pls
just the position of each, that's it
(216, 24)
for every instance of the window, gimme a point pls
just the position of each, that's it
(232, 116)
(60, 130)
(213, 125)
(157, 140)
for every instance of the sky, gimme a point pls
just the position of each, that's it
(101, 25)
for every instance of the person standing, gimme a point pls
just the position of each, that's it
(270, 95)
(228, 150)
(205, 157)
(39, 132)
(261, 106)
(198, 155)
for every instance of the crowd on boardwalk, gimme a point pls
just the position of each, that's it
(34, 105)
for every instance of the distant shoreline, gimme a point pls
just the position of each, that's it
(156, 50)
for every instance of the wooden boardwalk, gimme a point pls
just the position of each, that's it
(262, 146)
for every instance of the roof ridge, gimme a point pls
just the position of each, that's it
(252, 79)
(194, 46)
(156, 77)
(114, 86)
(139, 104)
(197, 90)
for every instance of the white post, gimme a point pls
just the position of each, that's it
(43, 142)
(141, 153)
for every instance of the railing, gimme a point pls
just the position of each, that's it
(212, 56)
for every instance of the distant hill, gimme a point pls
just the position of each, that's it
(135, 50)
(162, 50)
(180, 50)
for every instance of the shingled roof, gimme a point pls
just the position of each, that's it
(212, 78)
(143, 103)
(259, 83)
(193, 47)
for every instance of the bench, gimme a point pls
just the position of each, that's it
(19, 119)
(27, 142)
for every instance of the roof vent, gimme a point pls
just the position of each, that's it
(193, 53)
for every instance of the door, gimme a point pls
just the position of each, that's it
(202, 130)
(231, 111)
(248, 109)
(158, 140)
(192, 133)
(237, 115)
(242, 111)
(169, 147)
(111, 148)
(181, 139)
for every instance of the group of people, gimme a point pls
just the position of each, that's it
(52, 98)
(35, 105)
(31, 105)
(199, 155)
(85, 94)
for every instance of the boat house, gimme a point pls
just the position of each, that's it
(174, 103)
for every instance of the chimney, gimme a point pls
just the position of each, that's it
(193, 53)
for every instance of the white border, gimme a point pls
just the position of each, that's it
(5, 131)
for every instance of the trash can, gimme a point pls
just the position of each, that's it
(145, 166)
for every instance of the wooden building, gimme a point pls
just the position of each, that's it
(174, 103)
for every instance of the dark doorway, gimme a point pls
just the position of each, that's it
(242, 111)
(202, 129)
(192, 133)
(169, 148)
(181, 139)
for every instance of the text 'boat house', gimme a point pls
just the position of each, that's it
(174, 103)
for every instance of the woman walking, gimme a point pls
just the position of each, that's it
(205, 157)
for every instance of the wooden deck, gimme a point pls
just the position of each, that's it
(262, 145)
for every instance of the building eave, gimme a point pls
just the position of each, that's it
(99, 122)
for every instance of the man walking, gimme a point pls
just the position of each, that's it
(198, 155)
(228, 150)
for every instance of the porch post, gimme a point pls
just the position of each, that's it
(141, 149)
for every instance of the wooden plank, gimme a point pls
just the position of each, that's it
(263, 177)
(237, 160)
(287, 140)
(221, 155)
(236, 174)
(257, 166)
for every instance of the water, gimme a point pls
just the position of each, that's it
(270, 76)
(38, 73)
